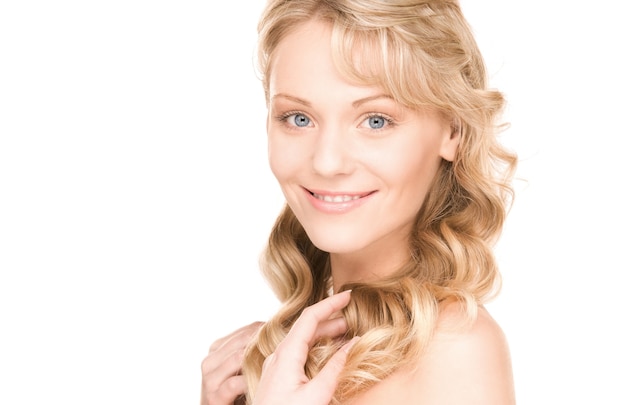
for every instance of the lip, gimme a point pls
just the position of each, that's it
(336, 202)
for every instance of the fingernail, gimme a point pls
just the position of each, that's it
(346, 348)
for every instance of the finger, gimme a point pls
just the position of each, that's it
(215, 377)
(246, 331)
(331, 328)
(304, 329)
(329, 374)
(269, 360)
(228, 391)
(295, 347)
(225, 347)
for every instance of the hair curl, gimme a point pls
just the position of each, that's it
(424, 54)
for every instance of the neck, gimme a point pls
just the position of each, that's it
(364, 267)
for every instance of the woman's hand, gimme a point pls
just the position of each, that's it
(222, 382)
(283, 380)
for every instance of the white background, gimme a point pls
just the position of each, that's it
(135, 196)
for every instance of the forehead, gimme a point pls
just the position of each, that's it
(304, 60)
(303, 49)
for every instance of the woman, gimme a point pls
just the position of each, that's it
(381, 133)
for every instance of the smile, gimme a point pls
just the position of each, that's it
(336, 198)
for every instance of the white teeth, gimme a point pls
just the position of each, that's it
(337, 198)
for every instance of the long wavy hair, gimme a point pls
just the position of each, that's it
(423, 53)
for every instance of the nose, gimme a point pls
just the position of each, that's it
(332, 154)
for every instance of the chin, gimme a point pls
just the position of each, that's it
(340, 244)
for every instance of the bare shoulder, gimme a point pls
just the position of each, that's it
(469, 365)
(475, 358)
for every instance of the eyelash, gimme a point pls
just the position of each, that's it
(389, 121)
(284, 116)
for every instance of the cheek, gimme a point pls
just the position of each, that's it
(412, 171)
(277, 164)
(284, 159)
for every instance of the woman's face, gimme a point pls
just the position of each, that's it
(353, 164)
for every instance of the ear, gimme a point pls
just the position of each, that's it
(451, 140)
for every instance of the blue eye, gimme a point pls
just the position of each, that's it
(376, 122)
(300, 120)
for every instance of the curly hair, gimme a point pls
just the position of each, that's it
(423, 53)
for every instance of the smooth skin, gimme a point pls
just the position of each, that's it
(222, 382)
(329, 139)
(355, 166)
(470, 366)
(283, 380)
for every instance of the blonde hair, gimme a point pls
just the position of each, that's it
(422, 53)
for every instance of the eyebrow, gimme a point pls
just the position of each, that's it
(292, 98)
(361, 101)
(355, 104)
